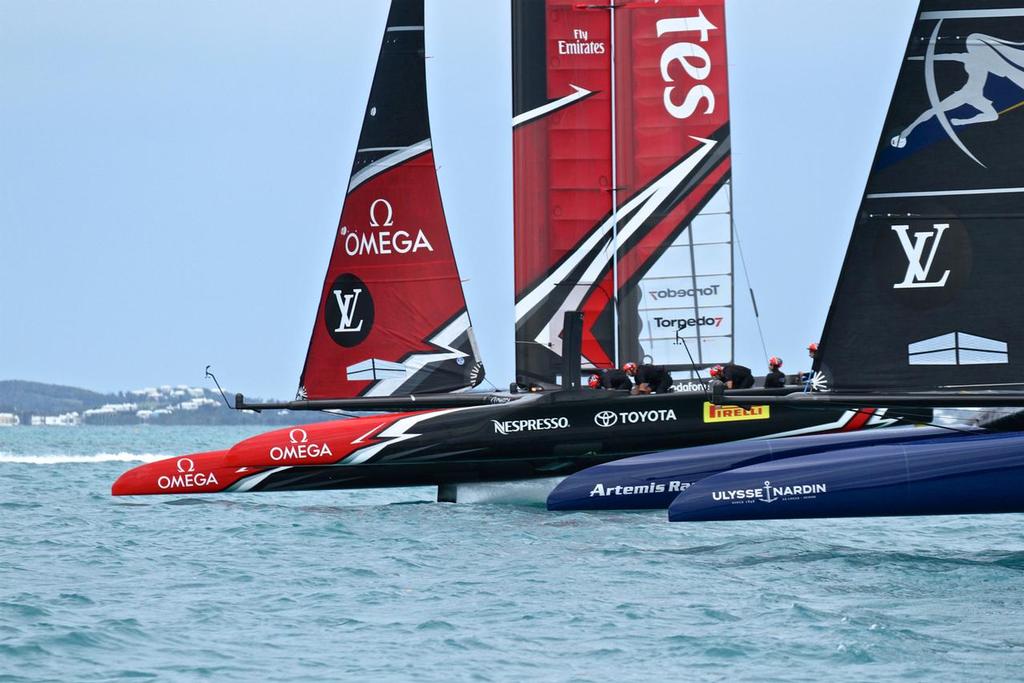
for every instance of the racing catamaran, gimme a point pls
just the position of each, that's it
(930, 292)
(623, 250)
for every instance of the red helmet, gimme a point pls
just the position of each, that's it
(716, 370)
(775, 362)
(594, 381)
(629, 368)
(813, 347)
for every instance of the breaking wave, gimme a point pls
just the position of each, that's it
(60, 459)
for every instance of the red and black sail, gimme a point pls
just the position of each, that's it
(622, 166)
(392, 316)
(930, 295)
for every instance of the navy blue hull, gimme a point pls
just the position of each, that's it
(654, 480)
(959, 474)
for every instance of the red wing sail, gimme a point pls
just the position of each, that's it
(392, 316)
(621, 252)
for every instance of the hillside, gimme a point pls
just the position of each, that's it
(19, 396)
(36, 403)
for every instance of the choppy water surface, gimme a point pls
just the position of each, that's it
(386, 585)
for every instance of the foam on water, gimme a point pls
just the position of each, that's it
(61, 459)
(386, 584)
(531, 492)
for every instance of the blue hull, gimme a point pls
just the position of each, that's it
(961, 474)
(654, 480)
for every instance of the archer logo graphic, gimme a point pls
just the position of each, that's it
(919, 264)
(348, 311)
(984, 56)
(605, 418)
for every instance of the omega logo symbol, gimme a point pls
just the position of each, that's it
(298, 435)
(185, 465)
(389, 214)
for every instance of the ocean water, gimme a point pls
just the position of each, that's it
(387, 585)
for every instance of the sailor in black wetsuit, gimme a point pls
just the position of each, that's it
(650, 379)
(774, 379)
(610, 379)
(734, 376)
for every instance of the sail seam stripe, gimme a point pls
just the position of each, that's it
(942, 193)
(392, 29)
(973, 13)
(386, 162)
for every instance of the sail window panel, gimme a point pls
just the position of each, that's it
(945, 357)
(710, 259)
(980, 343)
(674, 262)
(710, 228)
(705, 351)
(661, 293)
(720, 202)
(945, 341)
(681, 321)
(975, 357)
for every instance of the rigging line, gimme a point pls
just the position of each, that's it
(750, 288)
(693, 366)
(214, 378)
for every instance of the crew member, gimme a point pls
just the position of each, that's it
(735, 376)
(774, 379)
(650, 379)
(610, 379)
(525, 385)
(812, 351)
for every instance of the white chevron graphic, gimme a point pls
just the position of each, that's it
(644, 204)
(577, 94)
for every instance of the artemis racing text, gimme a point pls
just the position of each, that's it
(654, 487)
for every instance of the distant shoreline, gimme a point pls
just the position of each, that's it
(36, 404)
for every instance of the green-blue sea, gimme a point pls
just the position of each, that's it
(388, 585)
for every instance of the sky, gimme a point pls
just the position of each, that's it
(171, 174)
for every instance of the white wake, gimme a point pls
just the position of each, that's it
(60, 459)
